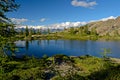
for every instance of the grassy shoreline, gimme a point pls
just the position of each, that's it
(67, 37)
(59, 67)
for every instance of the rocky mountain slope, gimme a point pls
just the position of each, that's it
(110, 27)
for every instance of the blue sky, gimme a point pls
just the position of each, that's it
(46, 12)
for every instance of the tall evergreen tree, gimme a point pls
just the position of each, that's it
(7, 6)
(26, 31)
(6, 26)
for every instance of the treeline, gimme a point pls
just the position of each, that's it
(87, 30)
(31, 31)
(82, 31)
(88, 33)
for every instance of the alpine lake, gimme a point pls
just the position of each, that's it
(38, 48)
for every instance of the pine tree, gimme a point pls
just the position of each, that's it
(26, 31)
(6, 25)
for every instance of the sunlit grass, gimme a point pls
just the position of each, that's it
(83, 67)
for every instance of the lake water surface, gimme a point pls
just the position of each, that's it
(38, 48)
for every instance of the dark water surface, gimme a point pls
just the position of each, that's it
(38, 48)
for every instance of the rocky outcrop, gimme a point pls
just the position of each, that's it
(111, 26)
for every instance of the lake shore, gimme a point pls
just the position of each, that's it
(59, 67)
(67, 37)
(68, 47)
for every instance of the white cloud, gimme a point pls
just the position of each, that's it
(29, 27)
(85, 4)
(19, 21)
(43, 20)
(104, 19)
(65, 24)
(56, 26)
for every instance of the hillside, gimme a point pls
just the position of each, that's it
(110, 27)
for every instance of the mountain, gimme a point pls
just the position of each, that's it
(110, 27)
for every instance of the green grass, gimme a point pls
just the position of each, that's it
(82, 68)
(66, 35)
